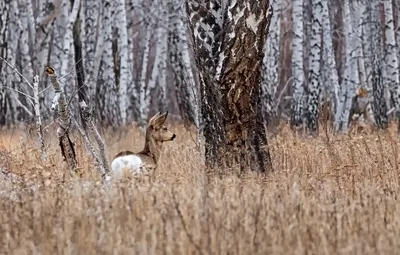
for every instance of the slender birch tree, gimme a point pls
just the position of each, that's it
(145, 89)
(106, 92)
(391, 61)
(314, 82)
(4, 19)
(270, 66)
(230, 82)
(351, 79)
(297, 115)
(125, 77)
(330, 71)
(178, 55)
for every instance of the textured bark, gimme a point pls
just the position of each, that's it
(391, 61)
(38, 116)
(67, 147)
(125, 77)
(314, 82)
(144, 94)
(92, 42)
(228, 44)
(4, 97)
(297, 114)
(162, 51)
(351, 77)
(178, 55)
(106, 91)
(270, 67)
(79, 66)
(329, 61)
(68, 37)
(104, 168)
(374, 65)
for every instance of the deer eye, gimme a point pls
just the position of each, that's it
(164, 128)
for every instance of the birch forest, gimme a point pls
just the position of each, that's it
(199, 126)
(132, 58)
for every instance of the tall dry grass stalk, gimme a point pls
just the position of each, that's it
(336, 196)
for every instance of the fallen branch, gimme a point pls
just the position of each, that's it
(67, 147)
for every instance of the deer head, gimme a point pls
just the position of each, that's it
(157, 130)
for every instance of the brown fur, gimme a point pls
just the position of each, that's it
(156, 134)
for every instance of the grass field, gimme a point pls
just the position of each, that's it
(326, 196)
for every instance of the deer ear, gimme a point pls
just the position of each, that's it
(161, 118)
(154, 118)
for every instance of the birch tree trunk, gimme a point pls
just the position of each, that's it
(162, 52)
(297, 116)
(125, 77)
(4, 80)
(391, 61)
(230, 83)
(352, 51)
(91, 42)
(81, 86)
(68, 37)
(186, 90)
(314, 83)
(329, 67)
(106, 92)
(270, 67)
(14, 24)
(144, 94)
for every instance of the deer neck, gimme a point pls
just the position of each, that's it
(152, 148)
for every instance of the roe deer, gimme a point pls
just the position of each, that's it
(148, 158)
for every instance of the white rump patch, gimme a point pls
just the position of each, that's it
(128, 163)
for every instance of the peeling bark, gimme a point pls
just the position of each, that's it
(66, 145)
(314, 81)
(228, 44)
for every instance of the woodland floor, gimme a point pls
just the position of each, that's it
(327, 196)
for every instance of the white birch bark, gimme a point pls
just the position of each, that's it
(144, 94)
(59, 35)
(162, 46)
(26, 60)
(330, 67)
(159, 58)
(270, 70)
(297, 64)
(91, 42)
(351, 79)
(132, 37)
(14, 24)
(4, 94)
(314, 83)
(38, 116)
(193, 90)
(44, 24)
(125, 77)
(107, 96)
(68, 38)
(179, 57)
(391, 61)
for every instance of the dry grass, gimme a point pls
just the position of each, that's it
(336, 197)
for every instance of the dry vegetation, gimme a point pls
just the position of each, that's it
(327, 196)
